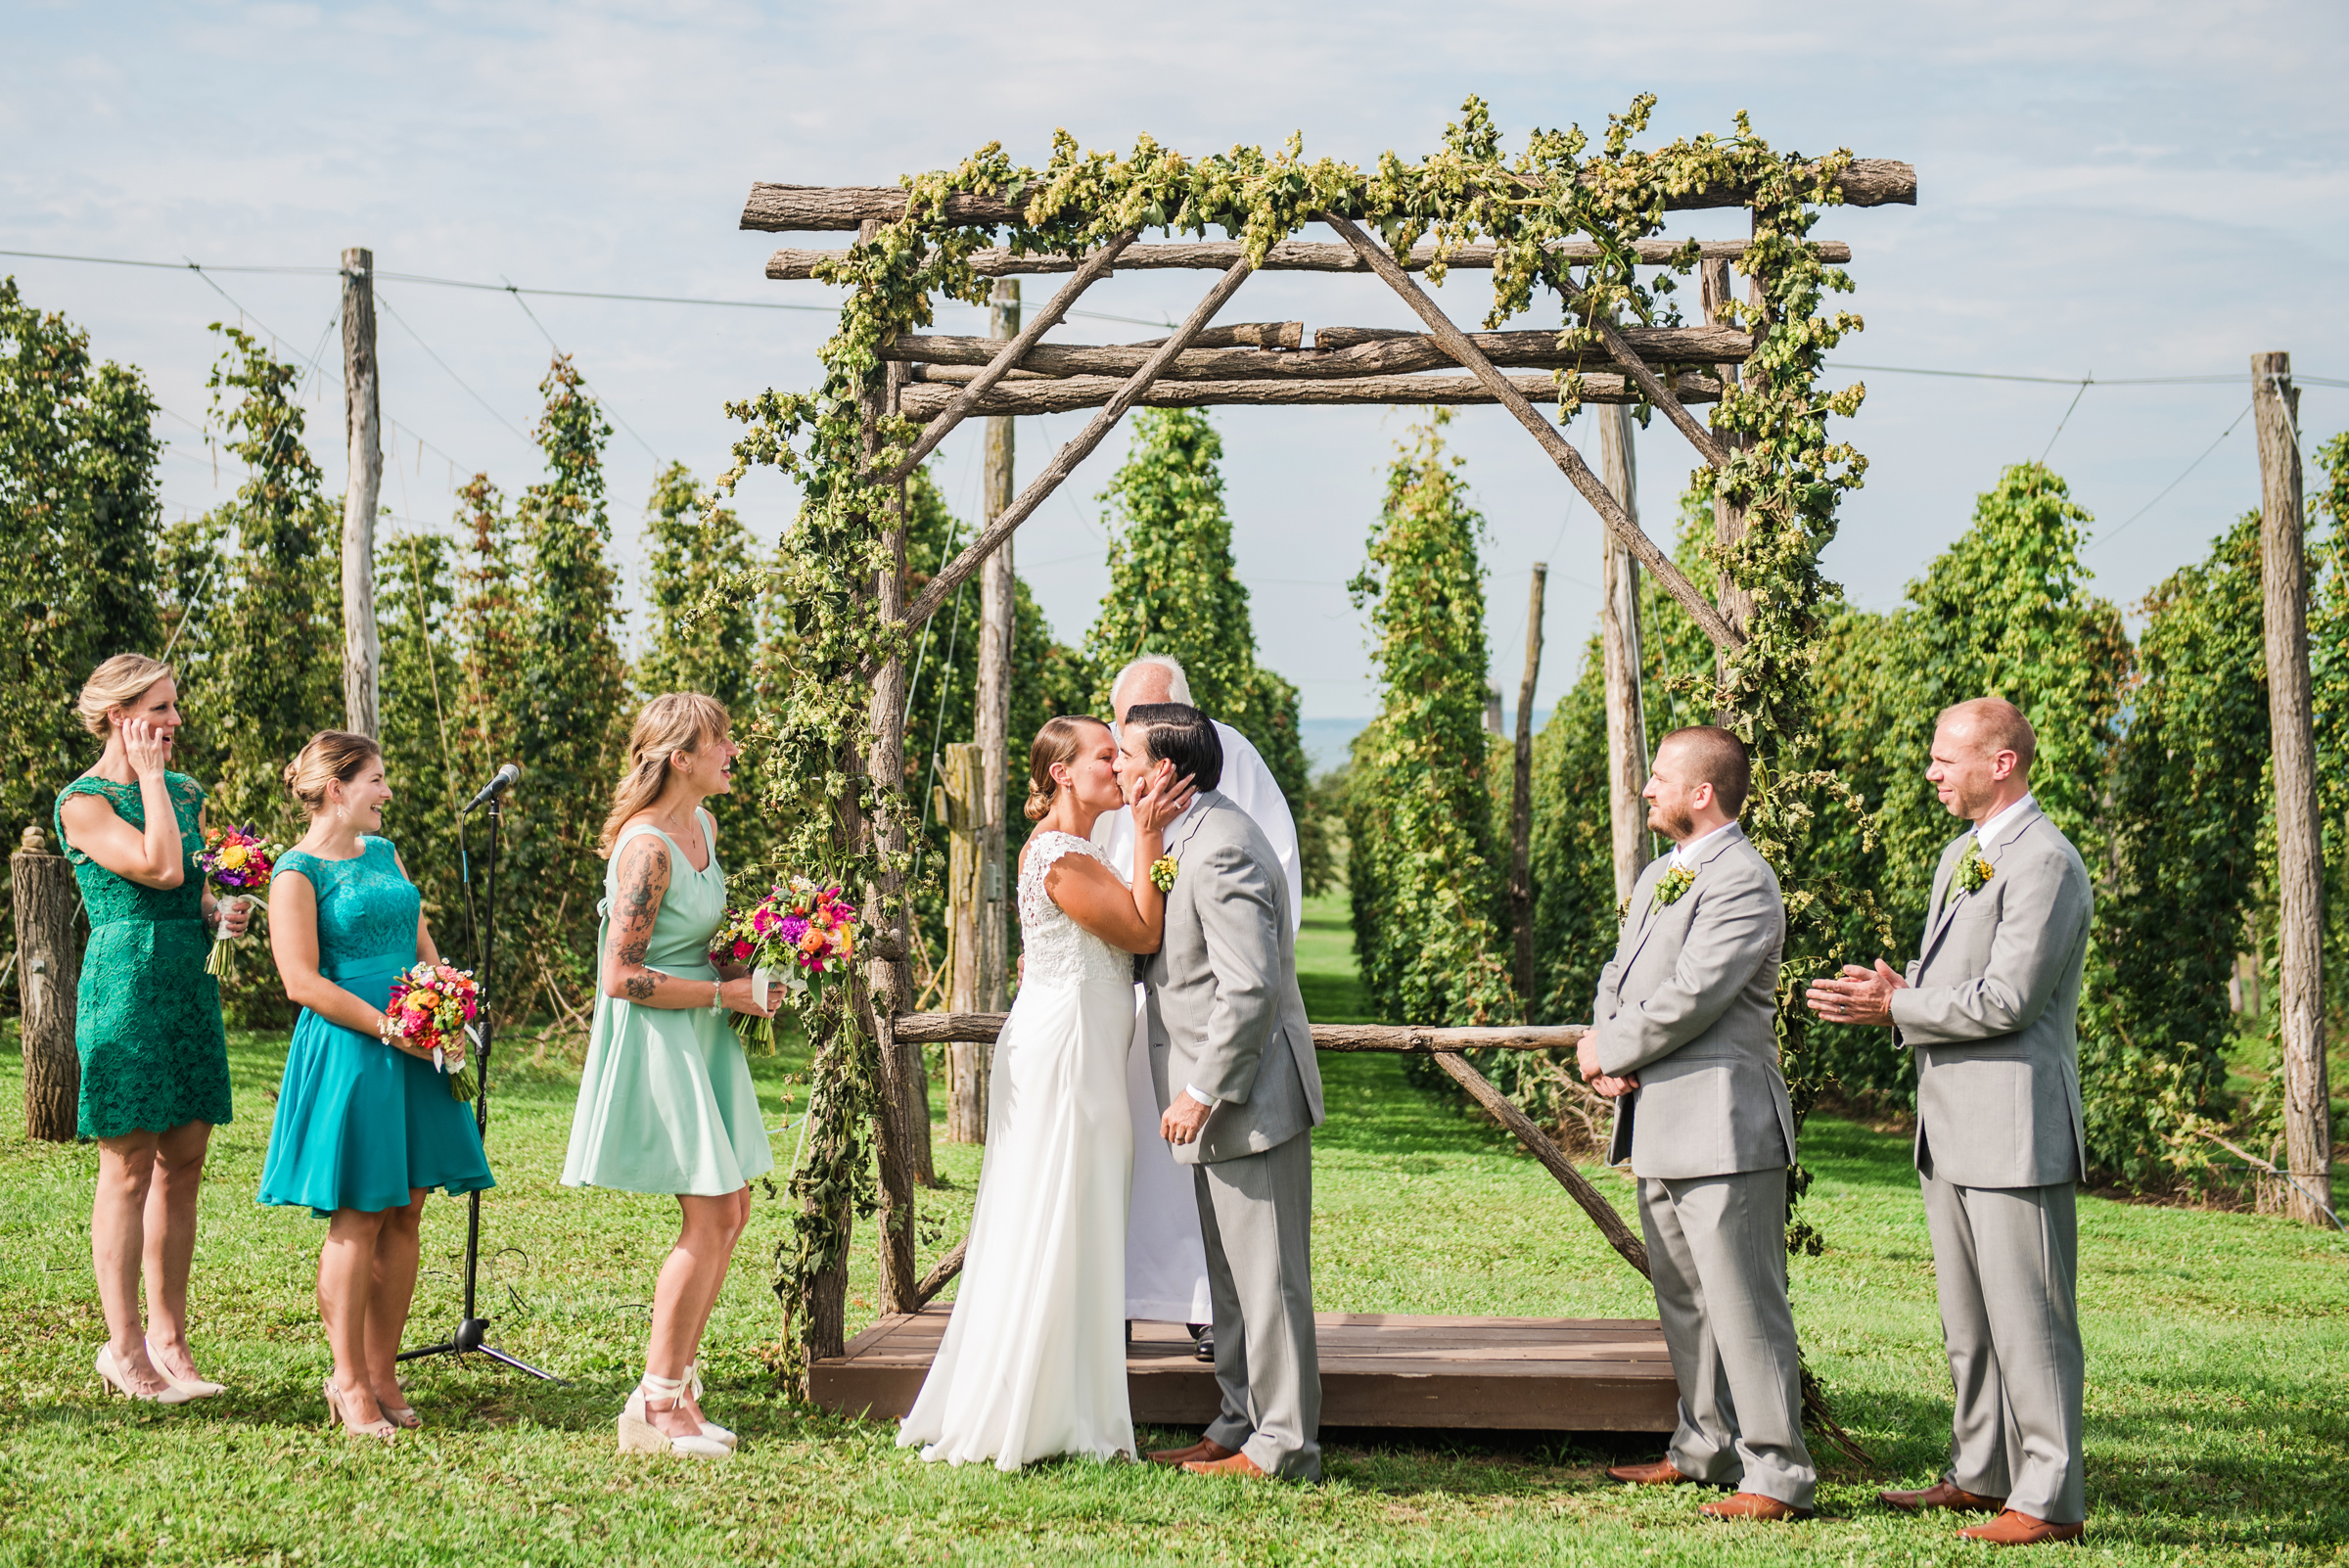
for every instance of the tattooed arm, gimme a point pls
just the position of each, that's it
(643, 882)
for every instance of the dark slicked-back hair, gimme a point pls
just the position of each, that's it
(1997, 725)
(1720, 760)
(1178, 733)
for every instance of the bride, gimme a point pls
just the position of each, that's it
(1034, 1361)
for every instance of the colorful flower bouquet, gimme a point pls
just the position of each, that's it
(432, 1005)
(234, 861)
(802, 937)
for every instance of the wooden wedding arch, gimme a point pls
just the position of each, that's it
(938, 381)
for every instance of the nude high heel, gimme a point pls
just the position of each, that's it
(710, 1429)
(196, 1388)
(638, 1434)
(380, 1429)
(111, 1371)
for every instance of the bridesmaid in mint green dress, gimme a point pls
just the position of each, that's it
(364, 1127)
(665, 1099)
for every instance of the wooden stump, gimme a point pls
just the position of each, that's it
(48, 974)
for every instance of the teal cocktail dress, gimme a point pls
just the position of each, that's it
(360, 1124)
(665, 1099)
(147, 1017)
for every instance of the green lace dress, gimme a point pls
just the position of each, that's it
(358, 1123)
(147, 1018)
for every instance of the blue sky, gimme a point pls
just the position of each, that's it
(2122, 190)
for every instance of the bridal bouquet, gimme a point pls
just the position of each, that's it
(234, 861)
(432, 1005)
(802, 937)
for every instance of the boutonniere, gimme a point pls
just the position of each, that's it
(1677, 881)
(1972, 871)
(1162, 873)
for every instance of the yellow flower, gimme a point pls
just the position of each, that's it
(231, 857)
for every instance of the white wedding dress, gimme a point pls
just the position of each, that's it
(1034, 1361)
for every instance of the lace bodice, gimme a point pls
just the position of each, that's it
(366, 909)
(1058, 949)
(110, 898)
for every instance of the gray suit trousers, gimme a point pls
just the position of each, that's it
(2008, 1260)
(1717, 1252)
(1256, 1216)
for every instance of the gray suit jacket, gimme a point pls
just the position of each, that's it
(1688, 1003)
(1225, 1015)
(1993, 1013)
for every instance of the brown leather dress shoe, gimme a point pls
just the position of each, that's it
(1204, 1449)
(1752, 1506)
(2013, 1529)
(1662, 1473)
(1238, 1465)
(1941, 1494)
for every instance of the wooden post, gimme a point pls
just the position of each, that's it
(1728, 517)
(362, 430)
(1619, 645)
(2299, 859)
(48, 974)
(998, 599)
(1521, 798)
(965, 800)
(902, 1133)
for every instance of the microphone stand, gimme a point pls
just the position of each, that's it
(472, 1332)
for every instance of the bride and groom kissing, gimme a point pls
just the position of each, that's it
(1034, 1359)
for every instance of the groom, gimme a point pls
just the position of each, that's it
(1231, 1058)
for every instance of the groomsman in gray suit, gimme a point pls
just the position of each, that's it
(1681, 1038)
(1989, 1009)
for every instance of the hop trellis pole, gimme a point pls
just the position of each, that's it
(1577, 227)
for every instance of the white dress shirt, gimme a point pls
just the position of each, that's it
(1989, 825)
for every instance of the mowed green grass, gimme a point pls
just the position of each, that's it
(2218, 1355)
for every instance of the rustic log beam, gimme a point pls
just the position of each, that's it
(1561, 451)
(1089, 392)
(1659, 394)
(1242, 333)
(1065, 461)
(1356, 351)
(798, 209)
(1000, 358)
(1553, 1159)
(937, 1278)
(1415, 1040)
(1299, 256)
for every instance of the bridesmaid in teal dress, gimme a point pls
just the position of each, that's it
(665, 1099)
(147, 1025)
(364, 1127)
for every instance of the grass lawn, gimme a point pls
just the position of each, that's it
(2218, 1401)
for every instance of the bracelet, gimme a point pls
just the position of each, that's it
(714, 987)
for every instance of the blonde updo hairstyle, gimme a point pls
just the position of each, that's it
(119, 682)
(332, 757)
(675, 721)
(1059, 741)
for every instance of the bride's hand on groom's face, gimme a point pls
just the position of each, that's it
(1160, 797)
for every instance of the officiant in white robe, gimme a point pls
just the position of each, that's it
(1166, 1259)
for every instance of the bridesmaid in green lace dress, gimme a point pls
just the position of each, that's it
(153, 1059)
(665, 1099)
(364, 1127)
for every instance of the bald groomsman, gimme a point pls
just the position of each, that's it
(1990, 1011)
(1683, 1039)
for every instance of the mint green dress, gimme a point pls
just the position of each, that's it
(360, 1124)
(665, 1100)
(147, 1017)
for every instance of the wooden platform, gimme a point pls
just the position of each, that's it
(1554, 1374)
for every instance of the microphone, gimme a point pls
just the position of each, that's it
(497, 786)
